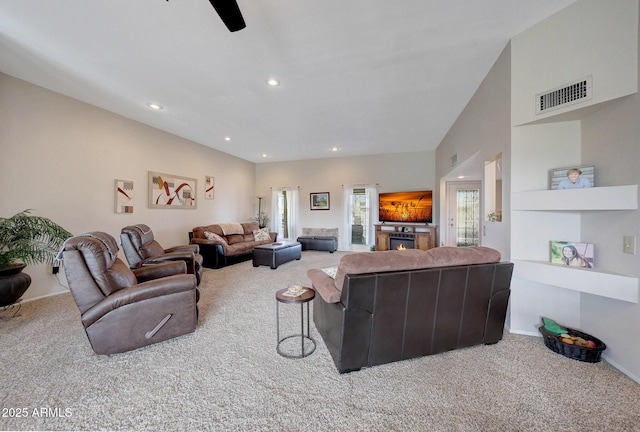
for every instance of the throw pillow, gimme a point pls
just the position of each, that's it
(261, 234)
(331, 271)
(213, 236)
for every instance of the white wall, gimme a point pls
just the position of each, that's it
(590, 37)
(601, 39)
(60, 157)
(617, 129)
(392, 173)
(481, 132)
(605, 135)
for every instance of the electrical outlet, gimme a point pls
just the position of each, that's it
(629, 244)
(55, 268)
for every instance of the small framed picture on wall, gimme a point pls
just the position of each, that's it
(319, 200)
(208, 187)
(123, 196)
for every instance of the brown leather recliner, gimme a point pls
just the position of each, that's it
(123, 309)
(141, 248)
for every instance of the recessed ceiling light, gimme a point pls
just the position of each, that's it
(460, 177)
(227, 138)
(335, 149)
(272, 82)
(264, 155)
(155, 106)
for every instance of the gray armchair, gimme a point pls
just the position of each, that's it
(123, 309)
(141, 248)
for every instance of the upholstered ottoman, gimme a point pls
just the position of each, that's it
(274, 254)
(319, 243)
(321, 239)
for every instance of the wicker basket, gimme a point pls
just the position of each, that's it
(590, 355)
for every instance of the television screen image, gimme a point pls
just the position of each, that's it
(403, 207)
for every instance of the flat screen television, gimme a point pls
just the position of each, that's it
(414, 207)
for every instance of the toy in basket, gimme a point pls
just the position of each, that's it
(571, 343)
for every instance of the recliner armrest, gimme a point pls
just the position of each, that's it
(187, 248)
(156, 271)
(188, 257)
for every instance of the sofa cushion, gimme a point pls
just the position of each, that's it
(231, 228)
(239, 248)
(152, 249)
(261, 234)
(331, 271)
(320, 232)
(198, 232)
(235, 238)
(212, 236)
(250, 227)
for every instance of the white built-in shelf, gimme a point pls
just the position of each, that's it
(596, 198)
(590, 281)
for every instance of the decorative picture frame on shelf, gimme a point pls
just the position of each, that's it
(171, 191)
(319, 201)
(565, 177)
(573, 254)
(209, 187)
(123, 193)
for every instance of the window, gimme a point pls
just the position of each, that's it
(468, 216)
(284, 213)
(358, 223)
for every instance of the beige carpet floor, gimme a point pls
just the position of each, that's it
(227, 376)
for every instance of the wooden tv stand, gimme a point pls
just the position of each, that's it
(424, 236)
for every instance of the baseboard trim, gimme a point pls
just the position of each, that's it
(44, 296)
(604, 356)
(522, 332)
(620, 368)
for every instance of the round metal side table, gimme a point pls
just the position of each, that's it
(303, 298)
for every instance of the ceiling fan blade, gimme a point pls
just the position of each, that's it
(229, 13)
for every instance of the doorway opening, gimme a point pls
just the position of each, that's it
(463, 214)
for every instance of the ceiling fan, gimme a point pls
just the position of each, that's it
(229, 13)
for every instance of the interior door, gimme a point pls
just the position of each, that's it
(463, 214)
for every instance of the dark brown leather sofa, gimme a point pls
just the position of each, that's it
(227, 243)
(436, 301)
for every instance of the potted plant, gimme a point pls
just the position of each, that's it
(261, 218)
(25, 239)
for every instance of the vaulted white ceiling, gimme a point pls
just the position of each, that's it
(365, 76)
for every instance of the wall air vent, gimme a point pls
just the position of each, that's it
(568, 94)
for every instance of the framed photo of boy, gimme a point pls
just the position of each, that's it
(319, 200)
(573, 177)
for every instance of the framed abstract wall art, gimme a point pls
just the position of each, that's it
(172, 191)
(208, 187)
(123, 191)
